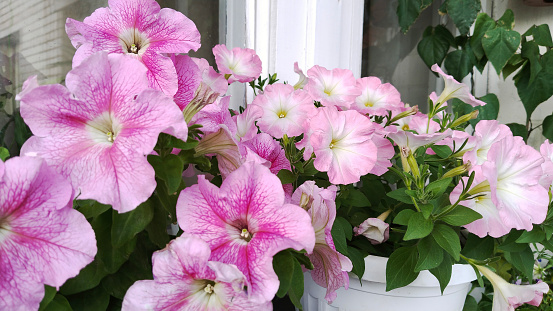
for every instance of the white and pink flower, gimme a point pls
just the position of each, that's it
(238, 64)
(334, 87)
(376, 98)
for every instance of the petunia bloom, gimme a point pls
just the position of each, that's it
(546, 150)
(238, 64)
(185, 279)
(140, 29)
(375, 229)
(376, 98)
(329, 266)
(43, 240)
(507, 297)
(486, 132)
(342, 143)
(98, 130)
(332, 87)
(284, 110)
(246, 222)
(454, 89)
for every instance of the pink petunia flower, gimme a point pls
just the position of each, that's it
(238, 64)
(98, 130)
(185, 279)
(246, 222)
(330, 268)
(332, 87)
(376, 98)
(284, 110)
(454, 89)
(138, 28)
(342, 143)
(546, 150)
(508, 297)
(302, 80)
(189, 79)
(486, 132)
(245, 122)
(375, 229)
(43, 240)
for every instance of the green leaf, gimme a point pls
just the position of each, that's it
(418, 227)
(157, 228)
(346, 227)
(513, 64)
(500, 44)
(402, 218)
(426, 209)
(4, 154)
(296, 286)
(507, 21)
(523, 260)
(459, 63)
(442, 151)
(358, 199)
(286, 176)
(460, 216)
(127, 225)
(434, 45)
(409, 10)
(479, 248)
(518, 130)
(438, 187)
(59, 303)
(88, 278)
(470, 304)
(400, 269)
(168, 169)
(400, 195)
(443, 272)
(90, 300)
(91, 208)
(548, 127)
(283, 264)
(112, 257)
(448, 239)
(490, 111)
(358, 261)
(531, 51)
(542, 35)
(430, 254)
(483, 23)
(21, 130)
(541, 89)
(49, 294)
(535, 236)
(463, 13)
(339, 238)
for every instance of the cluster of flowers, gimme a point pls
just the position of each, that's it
(129, 84)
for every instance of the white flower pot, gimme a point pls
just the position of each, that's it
(423, 294)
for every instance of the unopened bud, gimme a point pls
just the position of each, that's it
(411, 111)
(384, 215)
(458, 170)
(414, 166)
(465, 118)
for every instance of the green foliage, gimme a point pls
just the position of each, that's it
(434, 44)
(418, 227)
(409, 10)
(400, 269)
(463, 13)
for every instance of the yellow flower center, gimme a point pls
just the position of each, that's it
(246, 235)
(209, 288)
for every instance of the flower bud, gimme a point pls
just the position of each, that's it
(411, 111)
(465, 118)
(457, 170)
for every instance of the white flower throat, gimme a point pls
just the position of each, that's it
(133, 41)
(104, 128)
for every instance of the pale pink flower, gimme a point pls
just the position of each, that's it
(224, 146)
(376, 98)
(211, 78)
(245, 122)
(546, 150)
(454, 89)
(384, 151)
(284, 110)
(269, 149)
(486, 133)
(98, 130)
(302, 80)
(332, 87)
(185, 279)
(212, 116)
(513, 171)
(238, 64)
(455, 142)
(246, 222)
(43, 240)
(508, 297)
(138, 28)
(374, 229)
(342, 143)
(412, 141)
(329, 266)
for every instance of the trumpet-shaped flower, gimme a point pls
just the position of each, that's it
(140, 29)
(238, 64)
(342, 143)
(245, 122)
(376, 98)
(329, 266)
(246, 222)
(507, 297)
(374, 229)
(302, 80)
(332, 87)
(98, 130)
(454, 89)
(486, 133)
(284, 110)
(189, 79)
(43, 240)
(185, 279)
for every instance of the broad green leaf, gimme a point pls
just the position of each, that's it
(542, 35)
(358, 199)
(88, 278)
(400, 269)
(49, 294)
(127, 225)
(535, 236)
(489, 111)
(339, 238)
(59, 303)
(402, 218)
(448, 240)
(463, 13)
(157, 228)
(400, 195)
(373, 188)
(500, 44)
(434, 45)
(296, 286)
(470, 304)
(523, 260)
(168, 169)
(283, 264)
(426, 209)
(430, 254)
(358, 261)
(438, 187)
(21, 130)
(90, 300)
(541, 89)
(507, 21)
(90, 208)
(418, 227)
(346, 227)
(443, 272)
(459, 63)
(112, 257)
(548, 127)
(531, 51)
(483, 23)
(4, 154)
(460, 216)
(442, 151)
(409, 10)
(286, 176)
(518, 130)
(513, 64)
(478, 248)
